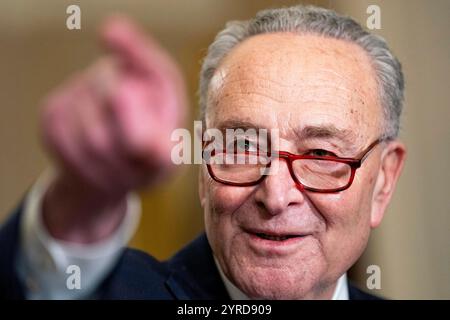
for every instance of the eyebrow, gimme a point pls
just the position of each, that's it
(307, 132)
(239, 124)
(328, 131)
(346, 137)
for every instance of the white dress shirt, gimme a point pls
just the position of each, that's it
(43, 260)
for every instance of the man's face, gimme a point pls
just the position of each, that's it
(320, 94)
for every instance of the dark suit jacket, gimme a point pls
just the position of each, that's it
(190, 274)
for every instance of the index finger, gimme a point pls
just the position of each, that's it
(123, 37)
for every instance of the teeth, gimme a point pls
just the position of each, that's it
(273, 238)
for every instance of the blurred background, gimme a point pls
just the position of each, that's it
(412, 246)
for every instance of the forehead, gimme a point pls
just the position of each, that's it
(288, 80)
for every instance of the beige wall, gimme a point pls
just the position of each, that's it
(411, 246)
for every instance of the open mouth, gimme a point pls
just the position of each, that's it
(276, 238)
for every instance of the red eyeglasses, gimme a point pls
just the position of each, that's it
(324, 174)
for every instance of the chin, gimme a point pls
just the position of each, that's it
(283, 282)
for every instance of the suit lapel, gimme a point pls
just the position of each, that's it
(356, 294)
(193, 273)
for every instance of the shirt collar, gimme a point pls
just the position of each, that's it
(340, 292)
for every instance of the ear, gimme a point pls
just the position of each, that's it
(392, 160)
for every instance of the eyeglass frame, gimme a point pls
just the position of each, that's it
(354, 164)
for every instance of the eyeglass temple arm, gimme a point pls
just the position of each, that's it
(371, 147)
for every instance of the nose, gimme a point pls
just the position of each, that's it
(278, 191)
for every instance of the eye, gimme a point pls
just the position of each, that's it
(243, 144)
(320, 153)
(246, 145)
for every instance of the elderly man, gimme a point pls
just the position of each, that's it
(332, 91)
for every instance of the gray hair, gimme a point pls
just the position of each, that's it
(314, 20)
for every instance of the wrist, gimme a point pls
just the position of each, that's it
(73, 212)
